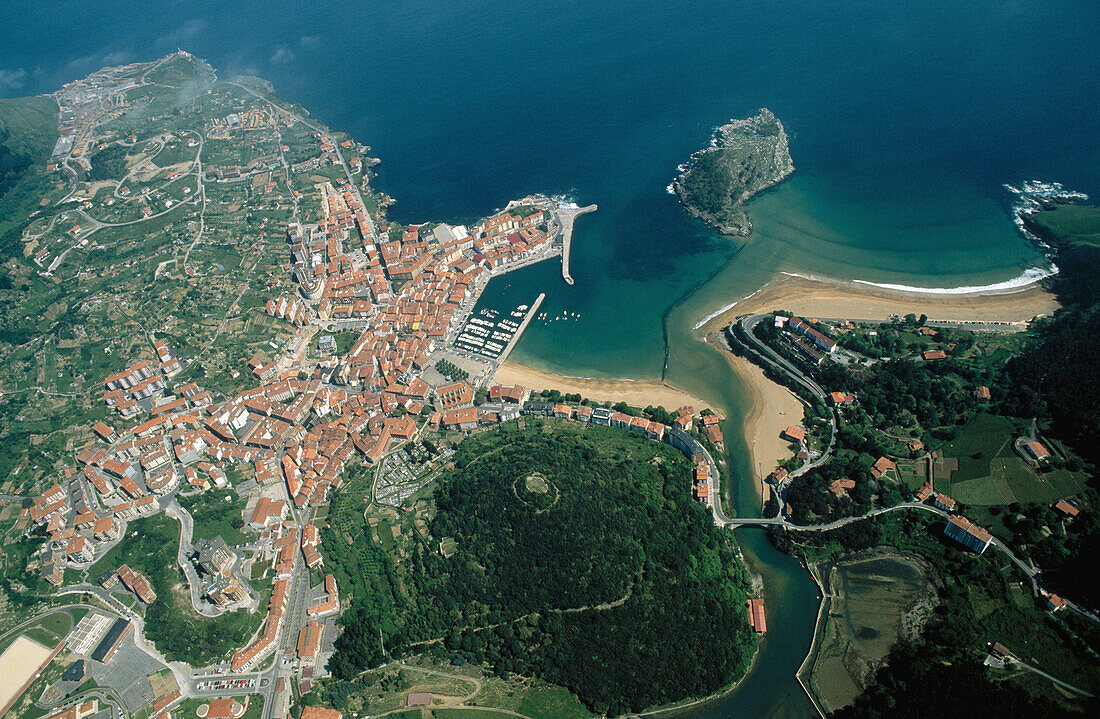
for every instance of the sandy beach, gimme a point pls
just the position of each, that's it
(773, 409)
(836, 299)
(637, 393)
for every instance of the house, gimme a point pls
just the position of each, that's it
(106, 529)
(1066, 508)
(540, 408)
(309, 641)
(933, 355)
(1037, 451)
(223, 708)
(79, 550)
(687, 444)
(801, 327)
(504, 393)
(881, 466)
(944, 502)
(601, 416)
(401, 427)
(793, 434)
(454, 395)
(77, 711)
(982, 393)
(1053, 602)
(137, 583)
(320, 713)
(755, 609)
(418, 699)
(841, 486)
(463, 419)
(778, 475)
(838, 399)
(105, 432)
(213, 556)
(923, 493)
(968, 534)
(563, 411)
(267, 512)
(226, 589)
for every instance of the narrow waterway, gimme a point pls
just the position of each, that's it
(791, 597)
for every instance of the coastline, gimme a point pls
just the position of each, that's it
(839, 299)
(637, 393)
(773, 408)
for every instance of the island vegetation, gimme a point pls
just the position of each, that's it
(746, 157)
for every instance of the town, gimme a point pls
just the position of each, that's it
(259, 463)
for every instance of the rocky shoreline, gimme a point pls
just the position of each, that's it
(711, 182)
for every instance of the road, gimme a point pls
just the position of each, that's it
(173, 509)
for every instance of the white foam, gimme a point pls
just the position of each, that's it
(719, 311)
(1028, 277)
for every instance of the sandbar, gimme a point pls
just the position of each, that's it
(838, 299)
(773, 408)
(636, 393)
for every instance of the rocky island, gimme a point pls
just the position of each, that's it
(744, 158)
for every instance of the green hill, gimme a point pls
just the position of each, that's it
(579, 558)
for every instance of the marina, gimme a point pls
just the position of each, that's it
(491, 333)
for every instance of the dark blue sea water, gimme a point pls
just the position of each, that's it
(905, 119)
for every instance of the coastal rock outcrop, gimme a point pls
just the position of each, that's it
(745, 157)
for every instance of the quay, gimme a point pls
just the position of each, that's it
(565, 217)
(522, 326)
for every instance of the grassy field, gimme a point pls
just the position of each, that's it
(991, 473)
(977, 444)
(50, 629)
(215, 512)
(1078, 225)
(387, 688)
(875, 602)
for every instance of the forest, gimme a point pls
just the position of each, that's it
(582, 590)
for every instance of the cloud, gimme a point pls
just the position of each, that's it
(309, 40)
(12, 79)
(282, 56)
(183, 34)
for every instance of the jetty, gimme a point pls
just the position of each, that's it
(565, 216)
(522, 326)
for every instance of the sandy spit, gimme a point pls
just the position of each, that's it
(836, 299)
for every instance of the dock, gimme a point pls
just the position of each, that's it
(565, 216)
(522, 326)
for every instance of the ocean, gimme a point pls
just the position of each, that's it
(904, 119)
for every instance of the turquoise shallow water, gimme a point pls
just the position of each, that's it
(904, 121)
